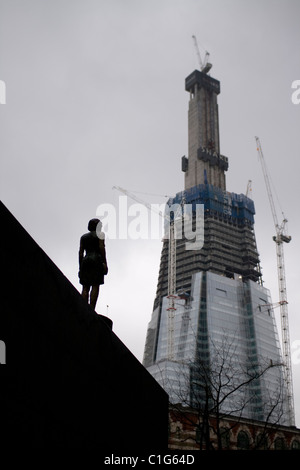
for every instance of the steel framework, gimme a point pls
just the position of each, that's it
(280, 238)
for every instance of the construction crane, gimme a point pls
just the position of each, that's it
(280, 238)
(204, 66)
(171, 264)
(249, 188)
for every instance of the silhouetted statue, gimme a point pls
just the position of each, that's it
(92, 264)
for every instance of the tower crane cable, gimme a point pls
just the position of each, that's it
(150, 194)
(280, 238)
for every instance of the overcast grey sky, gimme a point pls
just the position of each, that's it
(95, 98)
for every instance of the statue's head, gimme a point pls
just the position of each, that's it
(93, 223)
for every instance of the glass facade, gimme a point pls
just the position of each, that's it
(226, 351)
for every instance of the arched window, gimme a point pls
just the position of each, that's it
(262, 441)
(243, 442)
(295, 445)
(178, 432)
(279, 443)
(225, 438)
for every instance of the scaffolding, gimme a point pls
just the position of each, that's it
(229, 241)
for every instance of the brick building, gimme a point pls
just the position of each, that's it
(187, 432)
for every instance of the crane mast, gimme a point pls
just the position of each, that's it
(249, 188)
(171, 289)
(280, 238)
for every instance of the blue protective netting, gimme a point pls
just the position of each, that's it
(216, 200)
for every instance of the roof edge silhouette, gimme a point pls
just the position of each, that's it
(69, 381)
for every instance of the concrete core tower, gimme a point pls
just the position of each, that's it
(203, 125)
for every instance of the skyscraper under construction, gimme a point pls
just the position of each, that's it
(215, 335)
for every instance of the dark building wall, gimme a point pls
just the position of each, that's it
(68, 380)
